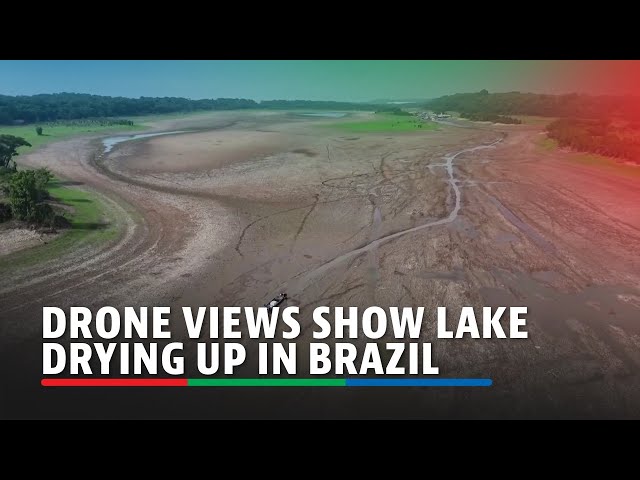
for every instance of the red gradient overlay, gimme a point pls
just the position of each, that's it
(114, 382)
(602, 77)
(617, 82)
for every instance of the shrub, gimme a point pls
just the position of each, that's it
(5, 212)
(26, 192)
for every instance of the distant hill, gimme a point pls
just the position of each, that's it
(73, 106)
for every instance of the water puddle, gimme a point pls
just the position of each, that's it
(111, 142)
(324, 114)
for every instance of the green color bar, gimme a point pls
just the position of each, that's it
(266, 382)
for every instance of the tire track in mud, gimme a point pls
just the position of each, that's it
(564, 207)
(86, 255)
(335, 295)
(304, 221)
(265, 217)
(131, 254)
(585, 201)
(279, 212)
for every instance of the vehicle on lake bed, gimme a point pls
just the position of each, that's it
(277, 300)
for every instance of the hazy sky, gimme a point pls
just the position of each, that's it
(358, 80)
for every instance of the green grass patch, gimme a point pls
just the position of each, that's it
(618, 167)
(59, 132)
(547, 144)
(90, 224)
(385, 123)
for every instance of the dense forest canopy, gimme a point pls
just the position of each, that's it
(74, 106)
(516, 103)
(605, 125)
(68, 106)
(613, 139)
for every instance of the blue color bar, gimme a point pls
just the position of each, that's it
(419, 382)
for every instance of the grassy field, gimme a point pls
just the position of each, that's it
(90, 223)
(546, 144)
(59, 132)
(385, 123)
(611, 164)
(549, 145)
(89, 216)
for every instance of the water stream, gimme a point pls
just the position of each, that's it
(325, 114)
(111, 142)
(453, 215)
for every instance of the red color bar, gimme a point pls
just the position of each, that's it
(113, 382)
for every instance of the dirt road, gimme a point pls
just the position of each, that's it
(456, 217)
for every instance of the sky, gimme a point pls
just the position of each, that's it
(344, 80)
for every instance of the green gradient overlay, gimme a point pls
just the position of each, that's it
(266, 382)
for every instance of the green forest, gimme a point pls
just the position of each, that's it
(612, 139)
(605, 125)
(516, 103)
(74, 106)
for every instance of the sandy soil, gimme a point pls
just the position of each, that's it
(224, 217)
(206, 151)
(15, 239)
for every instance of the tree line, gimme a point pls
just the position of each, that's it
(90, 122)
(73, 106)
(516, 103)
(597, 136)
(393, 111)
(490, 117)
(605, 125)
